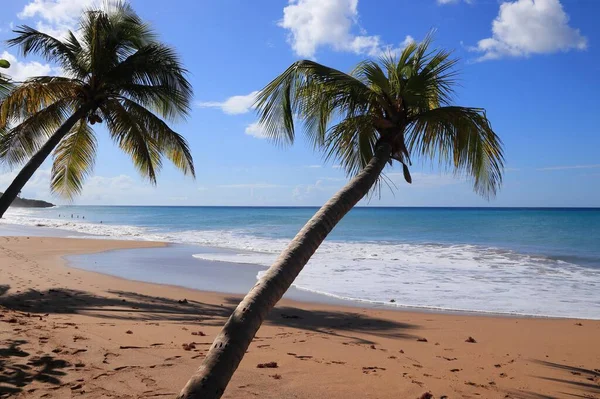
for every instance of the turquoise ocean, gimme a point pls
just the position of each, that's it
(543, 262)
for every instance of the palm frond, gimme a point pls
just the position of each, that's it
(309, 91)
(135, 141)
(19, 143)
(5, 86)
(32, 41)
(154, 77)
(112, 34)
(73, 160)
(462, 138)
(168, 142)
(352, 142)
(34, 95)
(371, 73)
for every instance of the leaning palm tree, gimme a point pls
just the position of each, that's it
(381, 112)
(116, 72)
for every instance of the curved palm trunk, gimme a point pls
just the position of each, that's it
(37, 160)
(228, 349)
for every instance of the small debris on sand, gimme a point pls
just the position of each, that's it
(188, 347)
(471, 340)
(269, 365)
(422, 340)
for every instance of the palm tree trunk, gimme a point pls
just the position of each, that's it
(229, 347)
(38, 159)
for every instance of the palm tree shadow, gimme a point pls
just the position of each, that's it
(585, 382)
(118, 304)
(337, 323)
(17, 370)
(134, 306)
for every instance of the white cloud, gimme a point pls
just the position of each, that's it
(56, 16)
(255, 130)
(233, 105)
(38, 184)
(303, 192)
(333, 178)
(526, 27)
(444, 2)
(20, 70)
(316, 23)
(594, 166)
(250, 185)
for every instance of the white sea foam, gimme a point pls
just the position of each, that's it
(457, 277)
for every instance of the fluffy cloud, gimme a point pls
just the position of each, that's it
(20, 70)
(38, 186)
(56, 16)
(233, 105)
(255, 130)
(316, 23)
(526, 27)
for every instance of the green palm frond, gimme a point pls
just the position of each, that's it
(20, 142)
(310, 91)
(112, 34)
(352, 142)
(73, 161)
(126, 131)
(404, 101)
(64, 53)
(462, 138)
(153, 77)
(169, 143)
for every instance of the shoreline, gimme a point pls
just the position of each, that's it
(97, 335)
(295, 294)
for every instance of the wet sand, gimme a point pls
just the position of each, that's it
(66, 332)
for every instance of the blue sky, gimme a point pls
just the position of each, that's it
(533, 64)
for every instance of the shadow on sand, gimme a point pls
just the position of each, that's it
(15, 373)
(134, 306)
(584, 382)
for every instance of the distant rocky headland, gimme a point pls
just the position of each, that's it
(30, 203)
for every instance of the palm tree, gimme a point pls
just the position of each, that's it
(382, 111)
(115, 72)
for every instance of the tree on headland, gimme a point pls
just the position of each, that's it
(381, 112)
(116, 72)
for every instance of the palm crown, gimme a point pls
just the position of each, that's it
(116, 72)
(403, 101)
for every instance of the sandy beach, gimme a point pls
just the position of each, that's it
(66, 332)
